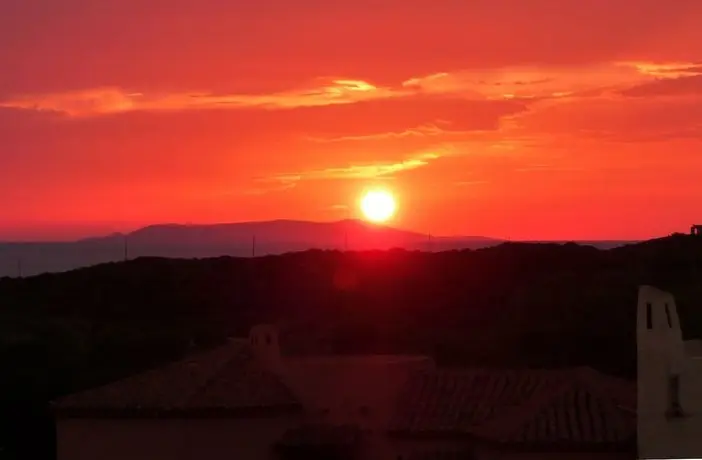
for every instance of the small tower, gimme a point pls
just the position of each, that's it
(264, 341)
(661, 367)
(661, 353)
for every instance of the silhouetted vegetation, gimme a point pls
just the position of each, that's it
(512, 305)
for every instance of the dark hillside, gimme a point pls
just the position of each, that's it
(540, 305)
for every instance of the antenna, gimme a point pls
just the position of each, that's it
(253, 246)
(346, 228)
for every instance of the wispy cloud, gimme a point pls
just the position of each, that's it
(672, 79)
(436, 129)
(275, 184)
(363, 171)
(102, 101)
(77, 103)
(530, 83)
(666, 69)
(375, 170)
(522, 83)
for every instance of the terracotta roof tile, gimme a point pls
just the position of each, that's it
(458, 401)
(578, 407)
(219, 381)
(574, 416)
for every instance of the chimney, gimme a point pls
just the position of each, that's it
(264, 341)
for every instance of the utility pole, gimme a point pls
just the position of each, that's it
(126, 248)
(253, 246)
(346, 228)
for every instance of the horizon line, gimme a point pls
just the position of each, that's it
(387, 225)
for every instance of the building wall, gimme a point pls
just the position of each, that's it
(692, 386)
(661, 351)
(661, 354)
(404, 448)
(170, 439)
(250, 439)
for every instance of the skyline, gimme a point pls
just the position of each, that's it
(535, 122)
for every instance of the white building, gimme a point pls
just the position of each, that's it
(669, 381)
(250, 401)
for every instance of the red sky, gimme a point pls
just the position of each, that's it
(539, 119)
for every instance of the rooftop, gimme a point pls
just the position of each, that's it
(572, 409)
(223, 382)
(370, 359)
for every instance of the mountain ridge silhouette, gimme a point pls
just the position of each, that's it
(239, 239)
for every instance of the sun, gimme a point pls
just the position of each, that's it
(378, 205)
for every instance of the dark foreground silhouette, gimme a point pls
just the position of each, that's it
(516, 305)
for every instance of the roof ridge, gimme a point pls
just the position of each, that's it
(228, 358)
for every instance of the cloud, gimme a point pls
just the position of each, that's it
(681, 86)
(668, 79)
(226, 42)
(422, 131)
(535, 82)
(362, 171)
(509, 83)
(667, 70)
(611, 118)
(103, 101)
(77, 103)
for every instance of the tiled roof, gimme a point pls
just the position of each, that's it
(220, 382)
(569, 408)
(456, 401)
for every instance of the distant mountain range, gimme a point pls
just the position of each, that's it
(236, 239)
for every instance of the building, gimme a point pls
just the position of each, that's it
(248, 400)
(241, 401)
(669, 380)
(217, 404)
(696, 230)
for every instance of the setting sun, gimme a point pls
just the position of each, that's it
(378, 205)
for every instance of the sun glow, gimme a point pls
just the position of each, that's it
(378, 205)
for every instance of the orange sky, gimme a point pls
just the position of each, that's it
(539, 119)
